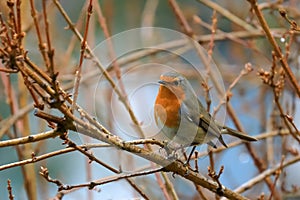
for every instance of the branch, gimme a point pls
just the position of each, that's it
(265, 174)
(275, 46)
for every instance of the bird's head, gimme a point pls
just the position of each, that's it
(174, 82)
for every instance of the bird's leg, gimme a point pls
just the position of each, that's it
(171, 152)
(190, 156)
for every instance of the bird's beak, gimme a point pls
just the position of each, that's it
(162, 82)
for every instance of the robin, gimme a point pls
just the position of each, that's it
(182, 117)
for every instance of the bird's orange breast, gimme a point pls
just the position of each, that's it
(167, 107)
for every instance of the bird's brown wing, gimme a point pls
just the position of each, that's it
(209, 126)
(202, 120)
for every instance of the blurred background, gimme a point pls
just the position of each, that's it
(231, 44)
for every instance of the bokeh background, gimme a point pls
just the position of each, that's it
(252, 100)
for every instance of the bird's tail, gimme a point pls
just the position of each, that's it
(230, 131)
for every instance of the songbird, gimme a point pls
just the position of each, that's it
(183, 118)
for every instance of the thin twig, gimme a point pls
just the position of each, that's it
(228, 14)
(275, 46)
(45, 173)
(264, 174)
(277, 174)
(50, 51)
(102, 69)
(187, 29)
(82, 51)
(170, 186)
(38, 33)
(9, 189)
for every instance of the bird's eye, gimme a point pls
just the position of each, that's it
(176, 82)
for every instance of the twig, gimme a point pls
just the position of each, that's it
(201, 194)
(148, 15)
(73, 39)
(111, 51)
(38, 33)
(44, 172)
(29, 139)
(170, 186)
(35, 159)
(213, 32)
(265, 174)
(82, 51)
(198, 187)
(258, 162)
(294, 25)
(216, 177)
(231, 36)
(50, 51)
(277, 174)
(98, 64)
(200, 38)
(89, 155)
(275, 46)
(227, 14)
(9, 189)
(8, 122)
(247, 69)
(162, 186)
(277, 87)
(9, 70)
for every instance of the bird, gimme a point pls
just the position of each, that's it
(182, 117)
